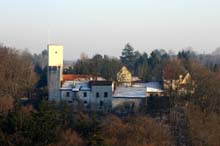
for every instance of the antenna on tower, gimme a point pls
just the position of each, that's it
(48, 35)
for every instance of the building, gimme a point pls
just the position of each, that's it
(88, 91)
(182, 85)
(129, 99)
(91, 95)
(124, 77)
(154, 89)
(157, 103)
(55, 69)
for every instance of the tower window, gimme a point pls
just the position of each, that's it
(97, 94)
(106, 94)
(67, 94)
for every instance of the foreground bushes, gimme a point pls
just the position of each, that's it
(57, 126)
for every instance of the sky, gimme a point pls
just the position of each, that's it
(105, 26)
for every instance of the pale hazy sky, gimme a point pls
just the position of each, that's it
(105, 26)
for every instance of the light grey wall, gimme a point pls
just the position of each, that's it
(64, 95)
(83, 99)
(54, 83)
(107, 101)
(128, 104)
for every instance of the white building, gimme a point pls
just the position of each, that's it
(93, 95)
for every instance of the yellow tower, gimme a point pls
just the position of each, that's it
(55, 57)
(55, 71)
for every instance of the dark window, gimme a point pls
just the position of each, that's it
(101, 103)
(156, 94)
(97, 94)
(85, 94)
(54, 68)
(74, 94)
(67, 94)
(106, 94)
(70, 101)
(151, 95)
(85, 102)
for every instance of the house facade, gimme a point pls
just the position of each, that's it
(124, 77)
(182, 85)
(91, 95)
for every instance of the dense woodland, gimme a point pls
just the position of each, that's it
(147, 67)
(194, 119)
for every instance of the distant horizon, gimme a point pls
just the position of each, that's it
(209, 52)
(105, 27)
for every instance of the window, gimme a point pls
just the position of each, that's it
(101, 103)
(74, 94)
(85, 94)
(85, 102)
(70, 101)
(97, 94)
(67, 94)
(106, 94)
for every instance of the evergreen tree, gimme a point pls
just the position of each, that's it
(128, 57)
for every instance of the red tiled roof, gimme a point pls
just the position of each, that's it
(71, 77)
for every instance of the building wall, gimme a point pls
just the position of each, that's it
(101, 103)
(128, 104)
(54, 83)
(155, 94)
(66, 95)
(124, 76)
(85, 100)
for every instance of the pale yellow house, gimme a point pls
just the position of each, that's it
(185, 80)
(180, 85)
(124, 77)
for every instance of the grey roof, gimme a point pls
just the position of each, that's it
(81, 86)
(130, 92)
(76, 86)
(154, 87)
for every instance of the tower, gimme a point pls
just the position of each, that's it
(55, 71)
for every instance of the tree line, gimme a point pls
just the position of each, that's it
(140, 64)
(148, 67)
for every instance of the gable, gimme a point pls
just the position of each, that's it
(124, 75)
